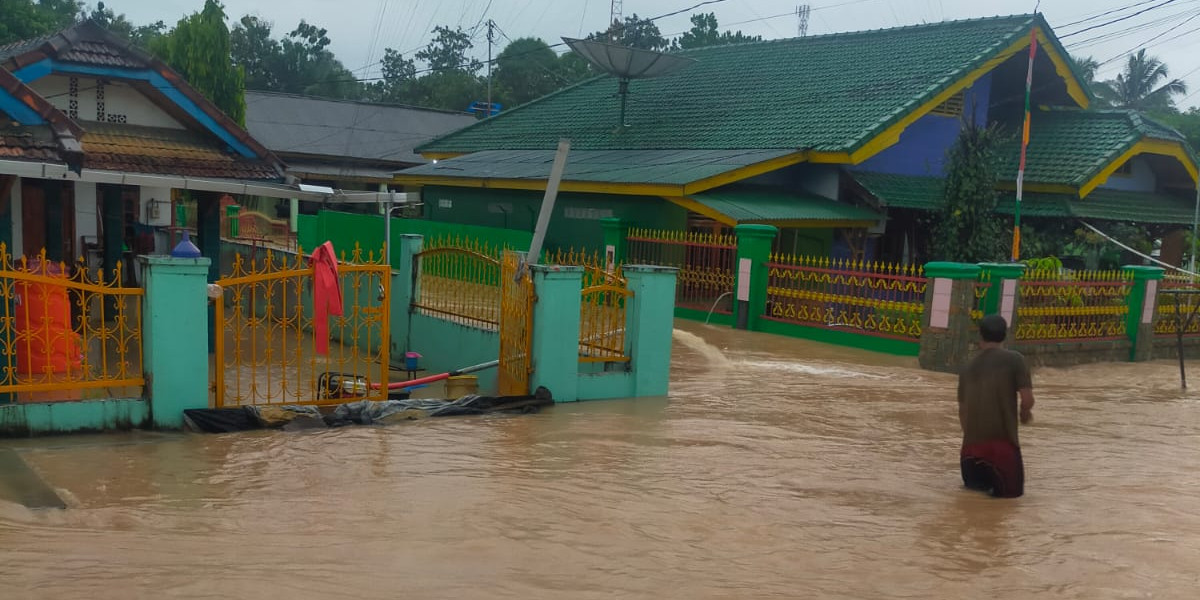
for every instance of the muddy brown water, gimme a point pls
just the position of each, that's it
(777, 468)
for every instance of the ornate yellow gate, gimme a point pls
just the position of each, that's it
(516, 326)
(266, 348)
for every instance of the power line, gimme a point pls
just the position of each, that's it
(1105, 13)
(1117, 20)
(1147, 43)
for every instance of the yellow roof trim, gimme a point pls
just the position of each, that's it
(815, 224)
(701, 209)
(1144, 146)
(745, 172)
(1045, 188)
(623, 189)
(441, 155)
(891, 135)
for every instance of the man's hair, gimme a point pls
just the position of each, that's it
(993, 328)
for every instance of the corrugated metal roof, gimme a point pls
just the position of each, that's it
(139, 149)
(290, 124)
(767, 206)
(674, 167)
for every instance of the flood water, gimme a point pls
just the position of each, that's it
(777, 468)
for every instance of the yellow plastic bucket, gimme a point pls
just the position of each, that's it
(461, 385)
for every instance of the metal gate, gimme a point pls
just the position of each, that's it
(266, 348)
(516, 326)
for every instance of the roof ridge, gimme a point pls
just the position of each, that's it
(844, 34)
(351, 101)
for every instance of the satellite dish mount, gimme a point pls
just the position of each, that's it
(626, 63)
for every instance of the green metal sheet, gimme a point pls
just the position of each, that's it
(676, 167)
(1109, 205)
(766, 206)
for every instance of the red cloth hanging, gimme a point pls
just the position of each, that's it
(327, 295)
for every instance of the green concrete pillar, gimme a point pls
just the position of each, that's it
(1001, 298)
(649, 319)
(947, 329)
(750, 273)
(404, 285)
(1143, 311)
(555, 344)
(174, 337)
(53, 190)
(615, 233)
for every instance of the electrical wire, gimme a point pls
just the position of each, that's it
(1117, 20)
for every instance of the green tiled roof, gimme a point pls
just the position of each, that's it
(925, 193)
(676, 167)
(1071, 146)
(1109, 205)
(825, 93)
(903, 191)
(767, 206)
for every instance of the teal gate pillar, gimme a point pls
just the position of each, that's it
(1143, 311)
(404, 286)
(750, 274)
(175, 337)
(615, 233)
(1001, 298)
(946, 326)
(649, 322)
(555, 334)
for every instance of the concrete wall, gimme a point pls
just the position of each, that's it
(1168, 347)
(1073, 353)
(446, 346)
(73, 417)
(1140, 179)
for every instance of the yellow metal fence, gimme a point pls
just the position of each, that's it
(267, 346)
(1166, 324)
(459, 280)
(871, 298)
(705, 262)
(516, 326)
(1076, 305)
(67, 332)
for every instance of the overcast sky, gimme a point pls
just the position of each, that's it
(361, 29)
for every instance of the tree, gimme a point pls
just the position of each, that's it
(252, 47)
(199, 50)
(448, 51)
(573, 68)
(27, 19)
(635, 32)
(300, 63)
(1141, 85)
(967, 229)
(1186, 123)
(144, 36)
(704, 32)
(525, 70)
(398, 74)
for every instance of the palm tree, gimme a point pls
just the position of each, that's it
(1086, 69)
(1137, 87)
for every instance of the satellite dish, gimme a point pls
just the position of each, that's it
(626, 63)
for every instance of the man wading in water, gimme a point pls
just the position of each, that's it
(987, 410)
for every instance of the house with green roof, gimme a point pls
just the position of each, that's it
(839, 140)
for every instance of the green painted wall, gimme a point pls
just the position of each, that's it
(574, 224)
(72, 417)
(805, 242)
(346, 229)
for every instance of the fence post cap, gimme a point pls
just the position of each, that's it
(1004, 270)
(952, 270)
(1145, 272)
(756, 230)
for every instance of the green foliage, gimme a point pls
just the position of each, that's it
(525, 70)
(26, 19)
(448, 51)
(199, 49)
(967, 229)
(1186, 123)
(705, 32)
(635, 32)
(144, 35)
(1142, 85)
(300, 63)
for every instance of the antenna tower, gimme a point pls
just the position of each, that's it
(802, 12)
(614, 19)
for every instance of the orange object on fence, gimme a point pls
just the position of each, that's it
(46, 342)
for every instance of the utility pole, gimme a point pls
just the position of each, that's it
(802, 13)
(491, 37)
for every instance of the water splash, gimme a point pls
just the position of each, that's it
(699, 345)
(832, 371)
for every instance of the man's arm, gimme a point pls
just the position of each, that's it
(1026, 394)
